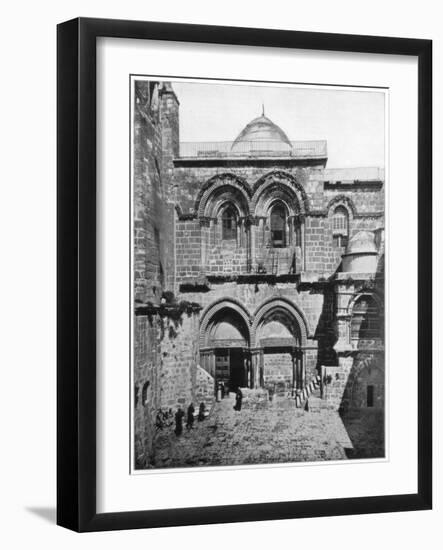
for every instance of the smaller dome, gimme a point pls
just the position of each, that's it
(261, 133)
(362, 242)
(361, 254)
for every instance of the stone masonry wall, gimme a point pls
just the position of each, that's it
(277, 369)
(148, 197)
(146, 389)
(178, 362)
(345, 385)
(188, 249)
(321, 255)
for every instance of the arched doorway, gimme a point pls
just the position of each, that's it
(279, 337)
(225, 353)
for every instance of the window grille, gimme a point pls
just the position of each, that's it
(340, 227)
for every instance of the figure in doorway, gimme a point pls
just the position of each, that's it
(201, 412)
(179, 421)
(190, 417)
(238, 400)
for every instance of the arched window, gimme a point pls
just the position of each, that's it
(340, 226)
(366, 323)
(229, 224)
(278, 226)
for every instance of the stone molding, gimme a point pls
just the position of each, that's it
(285, 304)
(253, 321)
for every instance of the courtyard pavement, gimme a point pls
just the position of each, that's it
(266, 432)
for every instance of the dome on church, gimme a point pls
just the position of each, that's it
(261, 134)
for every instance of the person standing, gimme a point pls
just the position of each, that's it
(190, 417)
(238, 400)
(179, 421)
(201, 412)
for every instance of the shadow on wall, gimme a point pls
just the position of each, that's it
(325, 332)
(362, 408)
(362, 411)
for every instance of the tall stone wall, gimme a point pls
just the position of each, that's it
(147, 352)
(188, 249)
(148, 195)
(178, 362)
(156, 144)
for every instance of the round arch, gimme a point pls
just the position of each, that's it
(343, 201)
(378, 301)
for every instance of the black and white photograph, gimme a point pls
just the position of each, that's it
(257, 272)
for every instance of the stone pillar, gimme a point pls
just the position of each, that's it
(253, 225)
(248, 245)
(255, 355)
(291, 226)
(248, 375)
(261, 369)
(239, 233)
(294, 371)
(204, 238)
(302, 369)
(212, 230)
(303, 244)
(299, 384)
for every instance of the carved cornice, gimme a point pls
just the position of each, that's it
(317, 214)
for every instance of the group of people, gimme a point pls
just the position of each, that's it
(190, 417)
(190, 413)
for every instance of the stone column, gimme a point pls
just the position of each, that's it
(302, 369)
(212, 229)
(302, 243)
(248, 244)
(299, 384)
(212, 363)
(294, 371)
(248, 373)
(290, 230)
(253, 369)
(261, 376)
(204, 237)
(253, 225)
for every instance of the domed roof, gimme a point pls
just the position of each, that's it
(261, 133)
(362, 242)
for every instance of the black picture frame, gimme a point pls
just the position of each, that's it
(76, 265)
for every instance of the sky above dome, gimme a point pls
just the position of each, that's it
(352, 121)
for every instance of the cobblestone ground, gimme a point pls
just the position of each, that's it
(262, 432)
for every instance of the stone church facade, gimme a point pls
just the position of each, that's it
(253, 264)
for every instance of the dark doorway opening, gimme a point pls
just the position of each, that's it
(230, 368)
(370, 396)
(237, 369)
